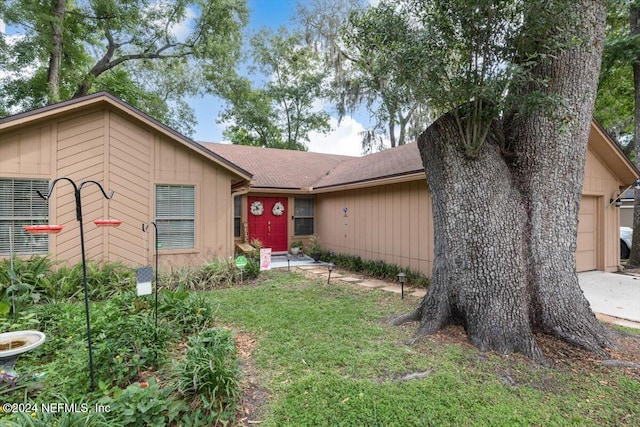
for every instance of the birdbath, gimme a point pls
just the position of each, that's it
(13, 344)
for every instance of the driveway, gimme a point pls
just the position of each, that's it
(612, 294)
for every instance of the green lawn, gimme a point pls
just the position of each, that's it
(327, 356)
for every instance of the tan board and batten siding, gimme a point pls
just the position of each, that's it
(103, 144)
(389, 222)
(598, 243)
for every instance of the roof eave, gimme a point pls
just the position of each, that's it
(613, 157)
(372, 182)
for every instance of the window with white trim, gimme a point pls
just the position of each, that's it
(175, 216)
(303, 217)
(20, 205)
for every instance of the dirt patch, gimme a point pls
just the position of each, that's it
(254, 396)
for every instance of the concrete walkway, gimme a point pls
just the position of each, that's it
(613, 295)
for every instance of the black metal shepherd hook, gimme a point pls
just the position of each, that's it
(77, 189)
(145, 229)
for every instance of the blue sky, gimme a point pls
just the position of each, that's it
(343, 139)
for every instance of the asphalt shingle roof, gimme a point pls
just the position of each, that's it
(288, 169)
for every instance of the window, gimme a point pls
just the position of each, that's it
(175, 216)
(20, 205)
(303, 217)
(237, 204)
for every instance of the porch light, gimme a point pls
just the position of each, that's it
(330, 268)
(43, 229)
(402, 278)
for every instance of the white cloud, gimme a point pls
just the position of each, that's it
(342, 139)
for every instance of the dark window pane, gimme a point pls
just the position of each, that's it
(236, 227)
(303, 207)
(303, 226)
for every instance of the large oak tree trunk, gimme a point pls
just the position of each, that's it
(505, 220)
(634, 24)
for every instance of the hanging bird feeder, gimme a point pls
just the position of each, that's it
(107, 222)
(43, 229)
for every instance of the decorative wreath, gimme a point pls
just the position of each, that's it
(256, 208)
(278, 209)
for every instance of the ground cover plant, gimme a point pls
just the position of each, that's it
(180, 371)
(287, 349)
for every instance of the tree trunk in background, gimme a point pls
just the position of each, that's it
(505, 227)
(634, 255)
(55, 53)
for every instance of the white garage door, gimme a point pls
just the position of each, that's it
(586, 250)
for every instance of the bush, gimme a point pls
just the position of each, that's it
(124, 337)
(209, 376)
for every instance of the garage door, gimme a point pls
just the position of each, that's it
(586, 250)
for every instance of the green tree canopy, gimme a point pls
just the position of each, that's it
(280, 112)
(152, 54)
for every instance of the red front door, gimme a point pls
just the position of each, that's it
(268, 221)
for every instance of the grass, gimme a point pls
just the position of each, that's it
(328, 356)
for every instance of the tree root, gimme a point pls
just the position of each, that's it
(413, 316)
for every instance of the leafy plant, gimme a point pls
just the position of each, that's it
(187, 312)
(143, 404)
(378, 268)
(297, 244)
(212, 275)
(256, 243)
(209, 376)
(314, 245)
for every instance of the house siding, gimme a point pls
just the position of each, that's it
(394, 222)
(391, 223)
(104, 145)
(602, 183)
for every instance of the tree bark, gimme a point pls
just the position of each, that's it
(505, 222)
(479, 276)
(634, 255)
(55, 53)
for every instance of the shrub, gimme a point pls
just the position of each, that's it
(378, 269)
(124, 337)
(209, 376)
